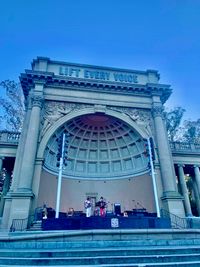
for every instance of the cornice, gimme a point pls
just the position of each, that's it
(49, 79)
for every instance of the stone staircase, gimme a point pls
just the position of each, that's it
(36, 226)
(102, 253)
(141, 248)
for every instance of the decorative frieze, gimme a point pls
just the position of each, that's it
(138, 115)
(141, 116)
(55, 110)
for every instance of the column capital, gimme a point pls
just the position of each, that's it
(37, 101)
(181, 165)
(157, 111)
(196, 166)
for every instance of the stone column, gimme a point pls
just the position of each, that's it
(197, 177)
(166, 164)
(19, 206)
(36, 182)
(1, 163)
(30, 148)
(5, 189)
(196, 195)
(20, 150)
(172, 201)
(1, 198)
(184, 190)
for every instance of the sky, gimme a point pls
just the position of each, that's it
(135, 34)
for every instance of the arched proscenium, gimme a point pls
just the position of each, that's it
(126, 167)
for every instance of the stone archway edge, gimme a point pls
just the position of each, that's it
(86, 111)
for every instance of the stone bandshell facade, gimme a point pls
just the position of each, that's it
(109, 113)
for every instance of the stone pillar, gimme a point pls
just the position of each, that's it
(1, 198)
(30, 148)
(196, 195)
(197, 177)
(36, 182)
(166, 164)
(5, 189)
(1, 163)
(19, 206)
(172, 201)
(184, 190)
(20, 149)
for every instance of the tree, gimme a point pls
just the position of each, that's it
(191, 131)
(173, 121)
(13, 106)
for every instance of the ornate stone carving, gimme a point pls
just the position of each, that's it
(157, 111)
(138, 115)
(141, 116)
(37, 101)
(55, 110)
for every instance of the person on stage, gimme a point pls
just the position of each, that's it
(102, 206)
(88, 207)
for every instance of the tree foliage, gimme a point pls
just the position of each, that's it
(191, 131)
(173, 121)
(12, 103)
(188, 131)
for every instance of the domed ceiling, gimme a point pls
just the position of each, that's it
(100, 147)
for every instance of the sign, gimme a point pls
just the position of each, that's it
(114, 223)
(96, 74)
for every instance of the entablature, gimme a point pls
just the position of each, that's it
(63, 75)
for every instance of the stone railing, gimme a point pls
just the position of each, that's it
(183, 147)
(7, 137)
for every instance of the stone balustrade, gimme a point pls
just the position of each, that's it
(184, 147)
(8, 137)
(179, 147)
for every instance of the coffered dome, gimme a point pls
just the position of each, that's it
(100, 147)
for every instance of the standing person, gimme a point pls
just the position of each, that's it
(44, 212)
(88, 207)
(102, 206)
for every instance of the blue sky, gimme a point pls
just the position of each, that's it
(136, 34)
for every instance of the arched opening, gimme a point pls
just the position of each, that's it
(106, 157)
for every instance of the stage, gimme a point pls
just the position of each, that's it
(107, 222)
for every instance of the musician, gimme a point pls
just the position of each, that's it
(102, 206)
(88, 207)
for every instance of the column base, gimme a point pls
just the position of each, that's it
(17, 206)
(173, 203)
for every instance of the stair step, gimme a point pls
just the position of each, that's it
(36, 226)
(172, 264)
(146, 259)
(99, 252)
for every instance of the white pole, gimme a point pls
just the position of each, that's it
(60, 179)
(153, 179)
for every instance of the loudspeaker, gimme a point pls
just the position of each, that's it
(117, 209)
